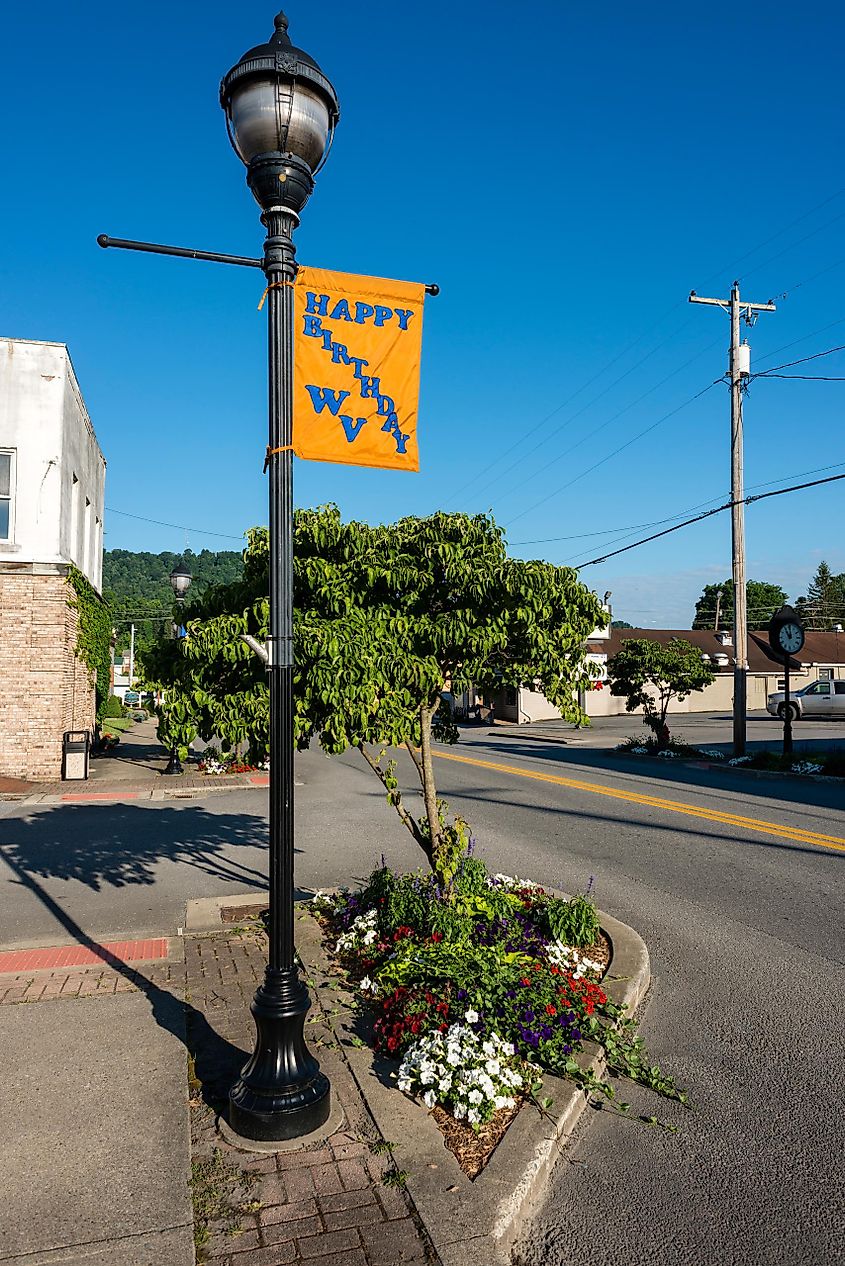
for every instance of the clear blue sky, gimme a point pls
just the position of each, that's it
(566, 173)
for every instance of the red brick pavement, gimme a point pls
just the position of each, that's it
(328, 1205)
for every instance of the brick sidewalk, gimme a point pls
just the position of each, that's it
(329, 1205)
(339, 1203)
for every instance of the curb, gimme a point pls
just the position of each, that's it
(154, 792)
(723, 767)
(469, 1221)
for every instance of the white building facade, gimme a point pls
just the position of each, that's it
(52, 488)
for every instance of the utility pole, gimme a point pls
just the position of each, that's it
(739, 370)
(131, 654)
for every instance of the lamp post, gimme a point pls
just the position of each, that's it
(180, 582)
(281, 112)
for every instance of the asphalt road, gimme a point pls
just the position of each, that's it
(730, 880)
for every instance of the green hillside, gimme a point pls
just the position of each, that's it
(136, 585)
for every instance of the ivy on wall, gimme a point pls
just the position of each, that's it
(94, 634)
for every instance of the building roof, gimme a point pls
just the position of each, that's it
(819, 648)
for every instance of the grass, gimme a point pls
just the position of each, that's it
(220, 1193)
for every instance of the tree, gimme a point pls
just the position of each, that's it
(762, 599)
(136, 587)
(620, 624)
(650, 675)
(824, 605)
(387, 617)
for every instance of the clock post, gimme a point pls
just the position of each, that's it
(786, 638)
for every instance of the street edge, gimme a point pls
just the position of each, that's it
(468, 1221)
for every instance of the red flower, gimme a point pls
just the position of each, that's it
(550, 1010)
(525, 981)
(437, 937)
(555, 971)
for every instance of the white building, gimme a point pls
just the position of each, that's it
(52, 486)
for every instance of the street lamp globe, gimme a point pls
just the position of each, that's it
(281, 112)
(180, 581)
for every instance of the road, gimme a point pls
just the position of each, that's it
(730, 880)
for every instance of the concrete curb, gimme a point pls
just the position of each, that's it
(114, 792)
(722, 766)
(469, 1221)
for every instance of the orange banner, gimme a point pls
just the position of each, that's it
(357, 347)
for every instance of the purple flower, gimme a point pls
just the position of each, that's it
(567, 1050)
(528, 1015)
(545, 1031)
(576, 1035)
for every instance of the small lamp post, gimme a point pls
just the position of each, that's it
(281, 112)
(180, 583)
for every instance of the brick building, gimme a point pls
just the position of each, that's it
(52, 482)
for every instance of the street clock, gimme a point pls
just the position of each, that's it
(786, 632)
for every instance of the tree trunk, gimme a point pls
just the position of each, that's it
(429, 788)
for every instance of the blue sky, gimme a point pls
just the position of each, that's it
(566, 173)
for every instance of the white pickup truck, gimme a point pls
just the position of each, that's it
(821, 699)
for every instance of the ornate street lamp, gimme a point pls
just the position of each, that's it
(180, 582)
(281, 112)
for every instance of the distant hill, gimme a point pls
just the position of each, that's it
(137, 585)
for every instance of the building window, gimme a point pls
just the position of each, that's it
(74, 520)
(7, 484)
(825, 674)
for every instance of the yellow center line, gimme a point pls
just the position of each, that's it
(657, 802)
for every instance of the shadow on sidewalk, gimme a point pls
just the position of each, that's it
(214, 1057)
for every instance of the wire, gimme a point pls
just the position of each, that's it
(787, 249)
(621, 447)
(633, 527)
(760, 496)
(226, 536)
(527, 434)
(804, 377)
(803, 361)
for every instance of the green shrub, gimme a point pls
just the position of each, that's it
(575, 922)
(114, 707)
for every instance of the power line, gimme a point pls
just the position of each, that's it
(633, 527)
(760, 496)
(790, 364)
(226, 536)
(804, 377)
(621, 447)
(533, 430)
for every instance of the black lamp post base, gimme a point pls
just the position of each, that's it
(174, 765)
(281, 1093)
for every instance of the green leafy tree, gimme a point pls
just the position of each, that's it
(385, 618)
(824, 605)
(762, 599)
(649, 675)
(620, 624)
(136, 586)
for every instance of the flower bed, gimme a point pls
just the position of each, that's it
(213, 763)
(831, 764)
(476, 990)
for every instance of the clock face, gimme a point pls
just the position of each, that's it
(791, 637)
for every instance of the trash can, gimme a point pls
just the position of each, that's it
(75, 748)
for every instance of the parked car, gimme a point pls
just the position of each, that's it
(821, 699)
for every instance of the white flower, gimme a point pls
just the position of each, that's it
(712, 753)
(739, 760)
(492, 1067)
(368, 986)
(475, 1096)
(806, 767)
(640, 751)
(444, 1085)
(472, 1116)
(471, 1017)
(489, 1048)
(665, 752)
(404, 1084)
(429, 1098)
(459, 1112)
